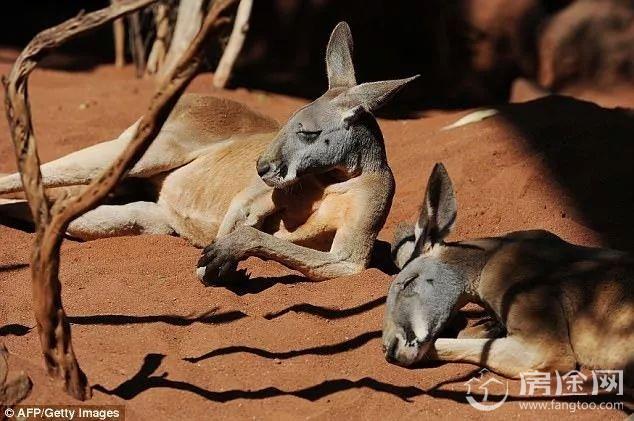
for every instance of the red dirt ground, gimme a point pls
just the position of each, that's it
(139, 313)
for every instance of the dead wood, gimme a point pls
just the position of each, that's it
(188, 22)
(234, 46)
(118, 28)
(51, 222)
(159, 47)
(137, 46)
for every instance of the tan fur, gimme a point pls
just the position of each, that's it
(311, 195)
(561, 304)
(214, 183)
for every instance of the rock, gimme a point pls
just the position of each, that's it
(590, 40)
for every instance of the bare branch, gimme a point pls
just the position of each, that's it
(18, 111)
(159, 47)
(53, 327)
(234, 46)
(162, 103)
(188, 23)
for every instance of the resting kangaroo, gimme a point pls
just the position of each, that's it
(562, 305)
(311, 195)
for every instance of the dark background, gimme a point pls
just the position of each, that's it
(439, 39)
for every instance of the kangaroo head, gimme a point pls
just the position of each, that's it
(424, 294)
(336, 131)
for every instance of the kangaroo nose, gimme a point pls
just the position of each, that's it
(390, 352)
(263, 168)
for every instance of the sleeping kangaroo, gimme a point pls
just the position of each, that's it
(311, 195)
(562, 305)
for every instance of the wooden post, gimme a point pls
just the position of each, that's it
(118, 28)
(119, 42)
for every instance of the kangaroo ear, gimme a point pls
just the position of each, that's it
(402, 247)
(372, 95)
(438, 212)
(353, 114)
(339, 58)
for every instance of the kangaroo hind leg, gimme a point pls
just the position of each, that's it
(76, 168)
(118, 220)
(509, 356)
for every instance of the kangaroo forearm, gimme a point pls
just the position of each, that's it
(314, 264)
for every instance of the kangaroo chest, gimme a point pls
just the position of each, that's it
(312, 211)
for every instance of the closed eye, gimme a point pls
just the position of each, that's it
(308, 136)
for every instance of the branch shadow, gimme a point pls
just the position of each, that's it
(210, 317)
(327, 312)
(14, 329)
(331, 349)
(10, 267)
(145, 380)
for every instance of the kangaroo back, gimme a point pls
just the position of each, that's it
(196, 123)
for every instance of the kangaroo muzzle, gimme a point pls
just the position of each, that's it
(273, 173)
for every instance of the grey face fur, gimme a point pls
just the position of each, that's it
(336, 131)
(420, 301)
(425, 293)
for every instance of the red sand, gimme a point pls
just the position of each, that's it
(135, 302)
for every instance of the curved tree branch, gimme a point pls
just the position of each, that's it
(51, 224)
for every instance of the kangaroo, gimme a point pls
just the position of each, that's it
(312, 194)
(561, 304)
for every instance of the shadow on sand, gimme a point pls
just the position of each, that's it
(145, 380)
